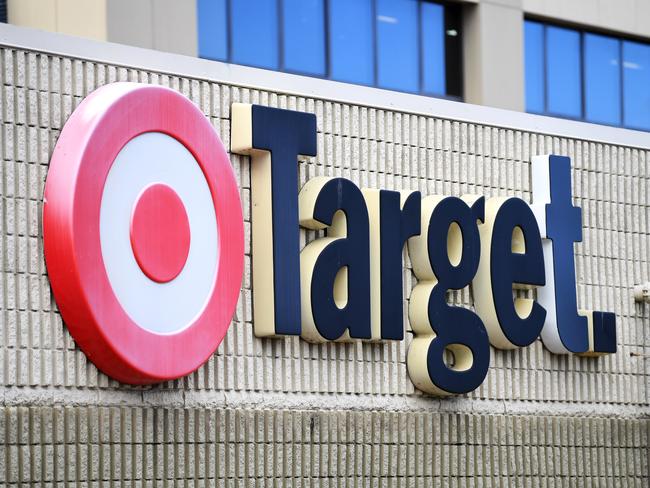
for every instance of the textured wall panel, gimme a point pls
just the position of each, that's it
(337, 414)
(148, 446)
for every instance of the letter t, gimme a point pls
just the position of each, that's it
(274, 138)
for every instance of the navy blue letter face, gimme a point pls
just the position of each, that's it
(446, 257)
(348, 284)
(397, 224)
(336, 268)
(512, 257)
(522, 266)
(566, 329)
(564, 228)
(274, 138)
(285, 134)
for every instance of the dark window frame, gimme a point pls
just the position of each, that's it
(582, 31)
(452, 20)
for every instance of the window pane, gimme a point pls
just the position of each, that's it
(636, 85)
(304, 36)
(433, 48)
(351, 41)
(255, 32)
(397, 44)
(563, 72)
(534, 61)
(602, 79)
(213, 29)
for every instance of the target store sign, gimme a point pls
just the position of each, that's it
(144, 245)
(143, 233)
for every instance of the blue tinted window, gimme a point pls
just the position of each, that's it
(407, 45)
(636, 85)
(602, 79)
(534, 60)
(351, 41)
(433, 48)
(565, 67)
(563, 81)
(213, 29)
(397, 44)
(255, 32)
(304, 36)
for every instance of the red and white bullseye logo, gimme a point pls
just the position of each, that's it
(143, 232)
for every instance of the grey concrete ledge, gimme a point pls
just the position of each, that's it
(175, 64)
(40, 396)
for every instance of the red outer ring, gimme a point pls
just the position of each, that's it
(89, 143)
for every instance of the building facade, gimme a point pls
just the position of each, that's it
(473, 50)
(283, 411)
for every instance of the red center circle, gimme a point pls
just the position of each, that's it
(160, 233)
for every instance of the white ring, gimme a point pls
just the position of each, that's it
(163, 308)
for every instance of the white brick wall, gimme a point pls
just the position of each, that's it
(333, 414)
